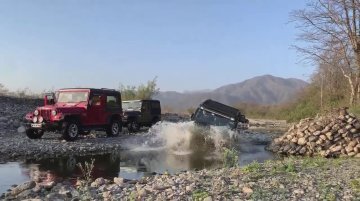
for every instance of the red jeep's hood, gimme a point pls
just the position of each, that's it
(66, 107)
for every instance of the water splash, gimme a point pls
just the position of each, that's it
(184, 137)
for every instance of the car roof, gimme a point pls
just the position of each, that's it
(127, 101)
(93, 90)
(220, 108)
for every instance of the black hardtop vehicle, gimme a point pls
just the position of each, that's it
(213, 113)
(139, 113)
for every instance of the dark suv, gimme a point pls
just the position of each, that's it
(217, 114)
(76, 111)
(138, 113)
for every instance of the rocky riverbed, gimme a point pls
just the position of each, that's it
(288, 179)
(17, 146)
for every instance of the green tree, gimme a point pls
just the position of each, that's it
(330, 30)
(143, 91)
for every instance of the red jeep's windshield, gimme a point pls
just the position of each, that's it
(72, 97)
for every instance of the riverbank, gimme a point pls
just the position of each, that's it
(16, 146)
(288, 179)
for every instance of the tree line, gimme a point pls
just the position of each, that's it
(128, 92)
(329, 32)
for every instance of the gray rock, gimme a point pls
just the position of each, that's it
(56, 197)
(142, 192)
(23, 187)
(301, 141)
(25, 194)
(4, 119)
(21, 129)
(106, 194)
(119, 181)
(247, 190)
(208, 199)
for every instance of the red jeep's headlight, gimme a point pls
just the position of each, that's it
(53, 113)
(36, 112)
(40, 119)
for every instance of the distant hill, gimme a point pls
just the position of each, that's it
(265, 89)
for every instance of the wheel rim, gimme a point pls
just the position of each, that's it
(115, 128)
(73, 130)
(134, 125)
(71, 163)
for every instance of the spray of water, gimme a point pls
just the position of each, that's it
(184, 137)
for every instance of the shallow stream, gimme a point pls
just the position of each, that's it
(165, 148)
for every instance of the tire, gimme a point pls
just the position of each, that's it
(70, 164)
(154, 121)
(34, 134)
(70, 130)
(114, 129)
(133, 126)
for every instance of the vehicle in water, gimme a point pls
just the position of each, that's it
(76, 111)
(213, 113)
(139, 113)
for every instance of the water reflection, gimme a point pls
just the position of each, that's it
(107, 165)
(129, 164)
(133, 164)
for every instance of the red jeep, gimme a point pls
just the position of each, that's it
(77, 111)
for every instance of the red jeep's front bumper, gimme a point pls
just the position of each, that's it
(46, 126)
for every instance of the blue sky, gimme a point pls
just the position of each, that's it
(187, 44)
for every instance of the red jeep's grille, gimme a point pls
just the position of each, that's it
(45, 114)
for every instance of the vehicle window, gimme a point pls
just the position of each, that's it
(155, 105)
(96, 100)
(205, 117)
(131, 105)
(111, 101)
(72, 97)
(144, 106)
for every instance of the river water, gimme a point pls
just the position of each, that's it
(165, 148)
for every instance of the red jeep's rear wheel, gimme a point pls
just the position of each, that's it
(70, 130)
(114, 128)
(34, 134)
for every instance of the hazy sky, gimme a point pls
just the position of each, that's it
(188, 44)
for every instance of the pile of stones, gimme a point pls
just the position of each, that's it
(334, 134)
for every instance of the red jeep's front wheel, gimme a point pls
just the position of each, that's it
(70, 130)
(114, 128)
(34, 134)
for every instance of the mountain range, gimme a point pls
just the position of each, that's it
(266, 90)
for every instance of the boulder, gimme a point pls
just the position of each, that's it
(301, 141)
(23, 187)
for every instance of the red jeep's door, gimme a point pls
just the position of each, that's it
(95, 110)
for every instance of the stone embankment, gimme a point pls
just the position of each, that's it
(332, 135)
